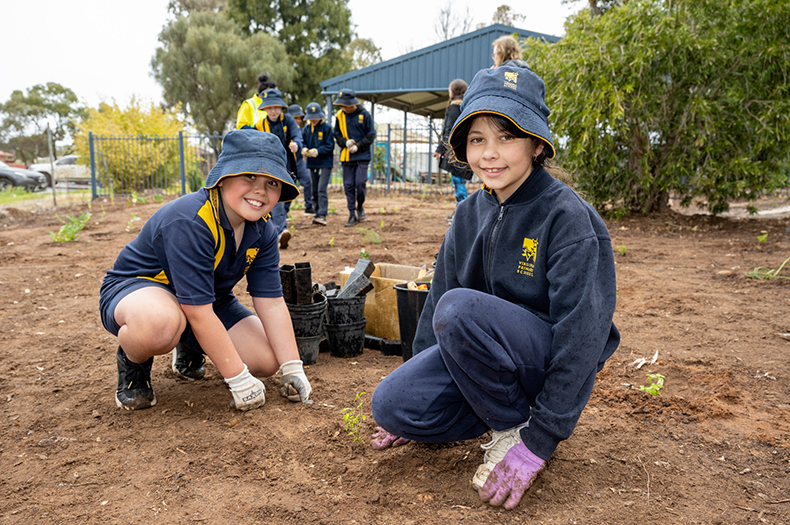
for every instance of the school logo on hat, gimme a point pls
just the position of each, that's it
(511, 78)
(530, 253)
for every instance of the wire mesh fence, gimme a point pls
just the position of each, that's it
(175, 165)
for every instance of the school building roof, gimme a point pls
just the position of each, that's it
(417, 82)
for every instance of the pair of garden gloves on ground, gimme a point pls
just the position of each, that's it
(506, 484)
(248, 391)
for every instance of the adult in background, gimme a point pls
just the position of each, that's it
(354, 132)
(507, 52)
(302, 175)
(460, 173)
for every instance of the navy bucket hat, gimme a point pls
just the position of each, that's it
(512, 92)
(251, 151)
(295, 110)
(271, 97)
(346, 97)
(314, 111)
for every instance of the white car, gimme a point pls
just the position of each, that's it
(66, 170)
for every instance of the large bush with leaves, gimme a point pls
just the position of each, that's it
(660, 96)
(127, 160)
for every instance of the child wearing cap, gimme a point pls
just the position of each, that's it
(171, 288)
(319, 147)
(354, 133)
(518, 320)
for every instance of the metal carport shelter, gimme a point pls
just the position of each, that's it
(417, 82)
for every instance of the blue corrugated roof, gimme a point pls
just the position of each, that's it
(417, 81)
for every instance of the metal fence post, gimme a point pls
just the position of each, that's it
(181, 162)
(94, 193)
(389, 157)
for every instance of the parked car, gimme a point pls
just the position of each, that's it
(30, 180)
(66, 170)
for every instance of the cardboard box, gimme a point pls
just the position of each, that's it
(381, 305)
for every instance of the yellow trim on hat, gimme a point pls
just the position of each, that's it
(450, 138)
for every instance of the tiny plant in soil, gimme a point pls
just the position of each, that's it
(621, 250)
(762, 238)
(68, 232)
(656, 384)
(332, 210)
(381, 225)
(382, 210)
(354, 417)
(296, 206)
(364, 254)
(761, 272)
(130, 225)
(332, 242)
(158, 198)
(370, 236)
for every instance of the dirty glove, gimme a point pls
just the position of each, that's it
(305, 152)
(383, 439)
(511, 477)
(312, 153)
(294, 384)
(353, 149)
(248, 391)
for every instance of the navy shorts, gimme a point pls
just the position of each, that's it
(227, 307)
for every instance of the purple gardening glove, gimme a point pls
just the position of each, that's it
(383, 439)
(511, 477)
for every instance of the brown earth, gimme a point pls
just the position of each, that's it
(713, 448)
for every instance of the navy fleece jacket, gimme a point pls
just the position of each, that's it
(548, 251)
(319, 137)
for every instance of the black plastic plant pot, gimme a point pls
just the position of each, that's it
(303, 283)
(410, 305)
(308, 319)
(345, 310)
(309, 348)
(346, 340)
(287, 280)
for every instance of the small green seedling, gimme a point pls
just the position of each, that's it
(158, 198)
(130, 224)
(332, 210)
(761, 272)
(332, 242)
(68, 232)
(621, 250)
(381, 225)
(364, 254)
(354, 417)
(382, 210)
(655, 386)
(762, 238)
(296, 205)
(370, 236)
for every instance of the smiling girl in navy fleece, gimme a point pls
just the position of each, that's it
(518, 320)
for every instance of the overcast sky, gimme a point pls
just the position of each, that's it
(102, 49)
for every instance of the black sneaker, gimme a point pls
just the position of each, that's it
(134, 383)
(352, 221)
(188, 364)
(309, 211)
(361, 214)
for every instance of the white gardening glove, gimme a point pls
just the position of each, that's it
(350, 142)
(353, 149)
(294, 384)
(304, 152)
(312, 153)
(248, 391)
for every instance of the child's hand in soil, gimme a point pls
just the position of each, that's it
(383, 439)
(294, 384)
(511, 477)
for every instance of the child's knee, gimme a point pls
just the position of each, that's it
(160, 327)
(455, 308)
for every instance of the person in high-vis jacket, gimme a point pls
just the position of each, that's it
(354, 133)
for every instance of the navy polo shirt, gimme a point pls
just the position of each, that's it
(189, 246)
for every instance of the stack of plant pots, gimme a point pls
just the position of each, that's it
(345, 313)
(307, 307)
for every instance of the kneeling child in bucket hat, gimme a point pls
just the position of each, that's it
(518, 320)
(171, 288)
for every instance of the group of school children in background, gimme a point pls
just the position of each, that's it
(309, 142)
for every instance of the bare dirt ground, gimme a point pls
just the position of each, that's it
(712, 449)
